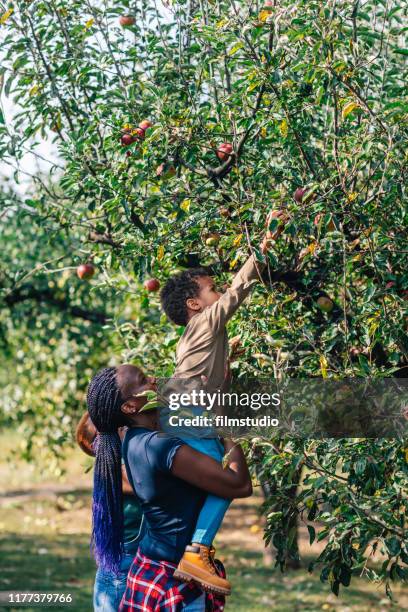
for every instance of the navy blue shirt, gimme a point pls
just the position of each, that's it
(170, 505)
(132, 523)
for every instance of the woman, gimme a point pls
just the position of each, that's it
(109, 586)
(169, 477)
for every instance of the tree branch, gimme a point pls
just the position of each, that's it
(103, 239)
(221, 171)
(47, 296)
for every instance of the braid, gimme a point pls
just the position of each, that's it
(104, 401)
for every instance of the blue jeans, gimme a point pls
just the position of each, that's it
(109, 587)
(214, 508)
(198, 605)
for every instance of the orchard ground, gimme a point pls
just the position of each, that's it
(45, 522)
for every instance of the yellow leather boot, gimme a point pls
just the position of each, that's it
(196, 564)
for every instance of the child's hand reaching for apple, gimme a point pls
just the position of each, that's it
(270, 237)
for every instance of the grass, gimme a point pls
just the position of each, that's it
(45, 525)
(50, 564)
(259, 588)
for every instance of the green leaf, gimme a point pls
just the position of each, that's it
(292, 536)
(312, 533)
(235, 48)
(323, 534)
(312, 512)
(345, 575)
(335, 587)
(360, 466)
(324, 574)
(393, 545)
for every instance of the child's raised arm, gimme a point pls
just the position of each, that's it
(223, 309)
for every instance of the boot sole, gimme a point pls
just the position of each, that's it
(209, 588)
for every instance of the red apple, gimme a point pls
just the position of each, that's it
(299, 194)
(126, 21)
(85, 271)
(354, 351)
(212, 240)
(138, 133)
(302, 195)
(127, 139)
(325, 304)
(152, 284)
(317, 218)
(268, 5)
(165, 170)
(224, 151)
(145, 124)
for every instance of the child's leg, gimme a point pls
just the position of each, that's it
(214, 508)
(210, 519)
(196, 563)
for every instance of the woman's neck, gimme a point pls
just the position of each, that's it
(145, 421)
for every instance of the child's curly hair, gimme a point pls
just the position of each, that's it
(177, 290)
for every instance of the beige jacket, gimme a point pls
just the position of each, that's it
(203, 348)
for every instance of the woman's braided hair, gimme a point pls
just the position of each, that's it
(104, 401)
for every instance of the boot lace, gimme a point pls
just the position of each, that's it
(208, 559)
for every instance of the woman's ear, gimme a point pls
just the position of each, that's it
(132, 406)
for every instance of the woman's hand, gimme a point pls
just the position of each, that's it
(206, 473)
(228, 444)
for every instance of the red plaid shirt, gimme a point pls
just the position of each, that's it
(151, 587)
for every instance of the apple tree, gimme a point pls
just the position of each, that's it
(175, 128)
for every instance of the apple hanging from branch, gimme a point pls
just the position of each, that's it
(151, 284)
(165, 170)
(225, 212)
(224, 151)
(302, 195)
(212, 239)
(127, 139)
(145, 124)
(129, 135)
(138, 133)
(85, 271)
(126, 21)
(325, 304)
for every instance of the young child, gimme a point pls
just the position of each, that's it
(191, 299)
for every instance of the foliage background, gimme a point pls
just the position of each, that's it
(310, 96)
